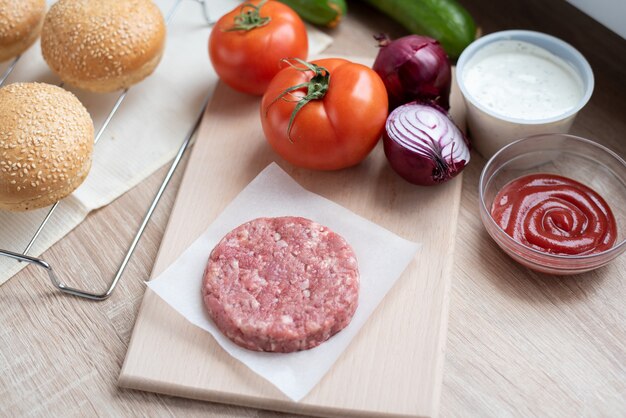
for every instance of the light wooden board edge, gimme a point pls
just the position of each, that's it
(138, 383)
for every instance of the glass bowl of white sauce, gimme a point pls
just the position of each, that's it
(518, 83)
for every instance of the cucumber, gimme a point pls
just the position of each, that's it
(445, 20)
(319, 12)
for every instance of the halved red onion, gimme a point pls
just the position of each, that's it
(423, 145)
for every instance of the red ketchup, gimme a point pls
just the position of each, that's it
(555, 214)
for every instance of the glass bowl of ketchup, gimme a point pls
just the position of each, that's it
(556, 203)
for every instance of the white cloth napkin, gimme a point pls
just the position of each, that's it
(145, 133)
(382, 257)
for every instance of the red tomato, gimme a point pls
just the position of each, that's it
(335, 131)
(247, 44)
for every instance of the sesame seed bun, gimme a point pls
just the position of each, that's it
(20, 24)
(103, 45)
(46, 141)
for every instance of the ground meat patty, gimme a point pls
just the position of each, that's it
(281, 284)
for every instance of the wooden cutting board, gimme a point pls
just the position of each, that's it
(394, 365)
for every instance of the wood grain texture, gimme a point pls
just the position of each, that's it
(394, 364)
(519, 344)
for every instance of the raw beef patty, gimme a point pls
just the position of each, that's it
(281, 284)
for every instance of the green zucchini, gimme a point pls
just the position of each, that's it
(319, 12)
(445, 20)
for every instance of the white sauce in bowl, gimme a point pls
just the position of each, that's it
(520, 80)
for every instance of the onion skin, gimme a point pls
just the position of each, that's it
(423, 145)
(414, 68)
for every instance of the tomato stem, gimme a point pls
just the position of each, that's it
(249, 19)
(316, 87)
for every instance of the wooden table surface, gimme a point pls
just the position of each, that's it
(519, 343)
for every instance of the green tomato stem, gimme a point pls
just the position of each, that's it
(316, 87)
(249, 19)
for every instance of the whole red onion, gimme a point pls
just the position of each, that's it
(413, 68)
(423, 145)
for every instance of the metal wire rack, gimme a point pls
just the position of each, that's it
(60, 285)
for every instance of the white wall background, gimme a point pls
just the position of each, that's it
(611, 13)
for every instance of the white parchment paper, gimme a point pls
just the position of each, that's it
(382, 257)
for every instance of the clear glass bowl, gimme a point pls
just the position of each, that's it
(570, 156)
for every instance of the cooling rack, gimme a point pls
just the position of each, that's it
(54, 278)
